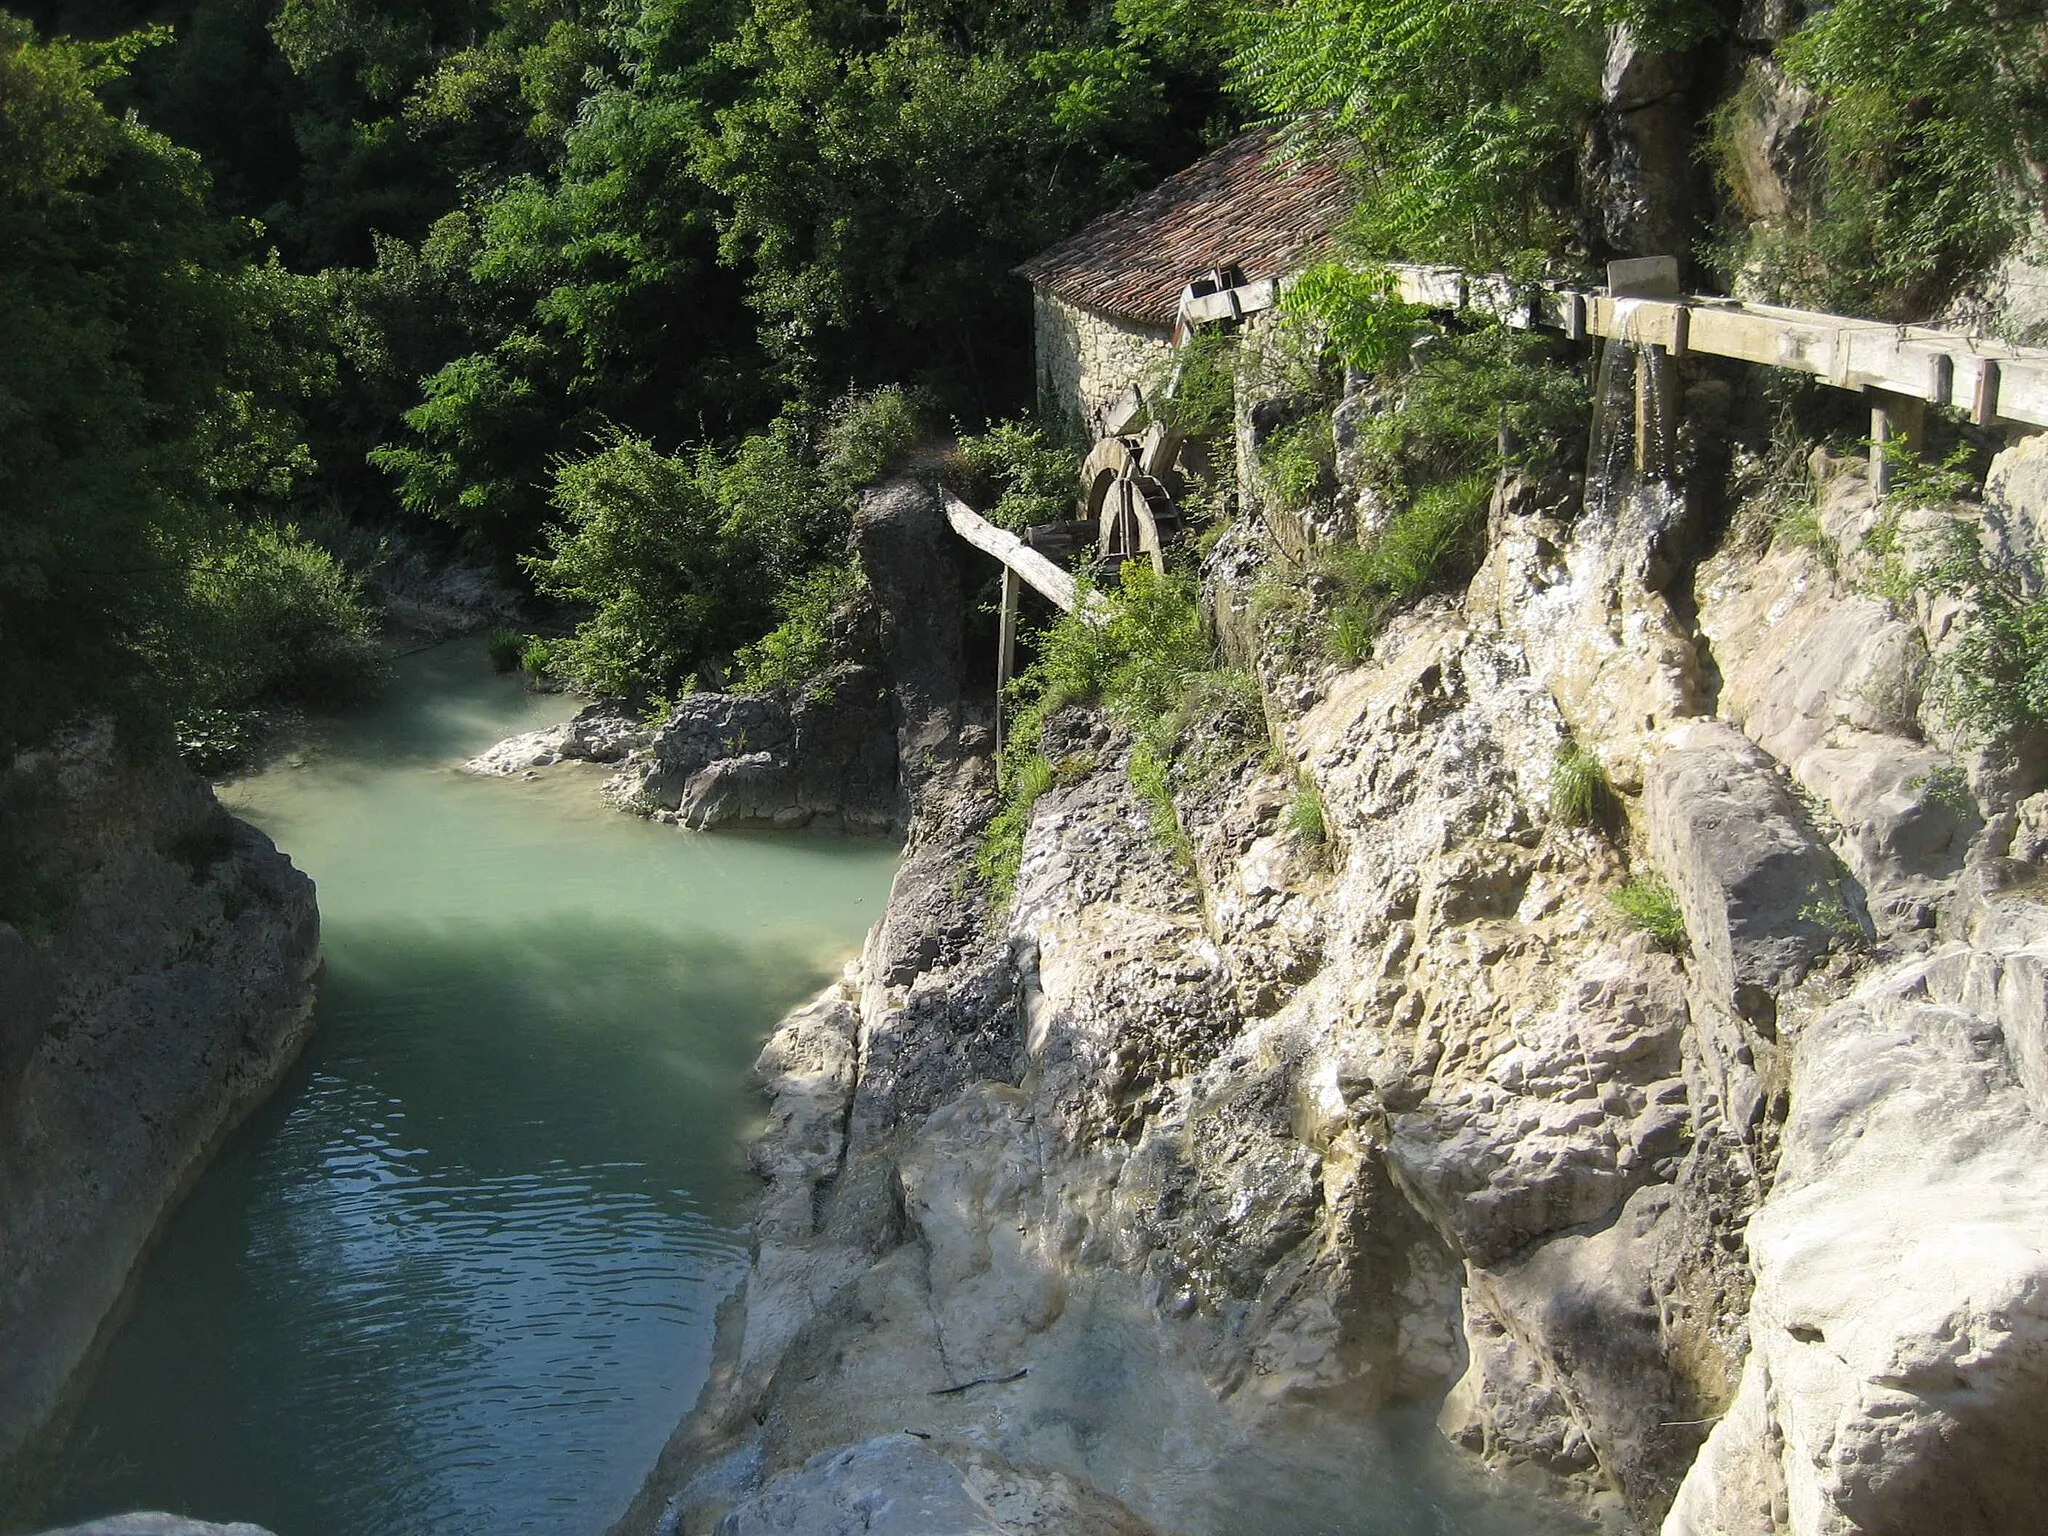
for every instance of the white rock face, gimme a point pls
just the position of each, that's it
(152, 1524)
(1898, 1378)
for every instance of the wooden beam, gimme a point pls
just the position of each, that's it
(1037, 572)
(1993, 380)
(1900, 419)
(1006, 646)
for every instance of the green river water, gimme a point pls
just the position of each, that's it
(459, 1275)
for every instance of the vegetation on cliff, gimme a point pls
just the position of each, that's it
(573, 283)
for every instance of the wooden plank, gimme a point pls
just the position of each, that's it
(1044, 578)
(1230, 304)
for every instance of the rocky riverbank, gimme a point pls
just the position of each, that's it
(1075, 1205)
(155, 983)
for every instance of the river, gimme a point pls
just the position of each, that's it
(460, 1274)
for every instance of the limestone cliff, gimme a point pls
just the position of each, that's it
(1184, 1164)
(159, 984)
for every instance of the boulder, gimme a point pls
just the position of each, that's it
(1756, 887)
(1898, 1378)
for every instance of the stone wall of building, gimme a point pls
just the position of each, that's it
(1086, 359)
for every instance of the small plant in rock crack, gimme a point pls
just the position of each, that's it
(1579, 792)
(1828, 910)
(1648, 904)
(1947, 786)
(1305, 820)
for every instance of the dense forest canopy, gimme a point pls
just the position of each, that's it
(577, 283)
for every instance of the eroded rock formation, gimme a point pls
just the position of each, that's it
(164, 985)
(1179, 1161)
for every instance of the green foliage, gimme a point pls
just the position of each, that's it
(1918, 480)
(1305, 820)
(504, 647)
(1435, 539)
(1797, 525)
(1828, 911)
(540, 657)
(1993, 675)
(800, 650)
(1298, 464)
(867, 436)
(1019, 474)
(1194, 389)
(1579, 792)
(151, 367)
(281, 620)
(1947, 786)
(1648, 904)
(696, 555)
(1143, 656)
(1466, 114)
(1931, 125)
(1358, 313)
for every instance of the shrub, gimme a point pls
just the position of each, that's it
(1434, 540)
(1993, 676)
(799, 651)
(1142, 654)
(1020, 474)
(1358, 314)
(868, 435)
(539, 657)
(270, 617)
(1579, 792)
(504, 647)
(1195, 389)
(1305, 821)
(1648, 904)
(1929, 127)
(1298, 463)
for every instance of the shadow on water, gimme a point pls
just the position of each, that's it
(459, 1275)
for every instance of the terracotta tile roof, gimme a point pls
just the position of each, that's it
(1232, 205)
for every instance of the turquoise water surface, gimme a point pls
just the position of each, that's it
(459, 1276)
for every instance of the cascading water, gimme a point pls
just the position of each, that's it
(1631, 460)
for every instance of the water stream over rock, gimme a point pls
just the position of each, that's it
(460, 1274)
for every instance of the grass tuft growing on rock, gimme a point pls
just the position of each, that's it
(1649, 905)
(1579, 792)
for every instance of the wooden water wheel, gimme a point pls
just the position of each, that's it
(1125, 495)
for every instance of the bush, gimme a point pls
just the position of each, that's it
(1648, 904)
(1145, 658)
(1433, 541)
(1194, 389)
(539, 657)
(1305, 821)
(1930, 124)
(1358, 315)
(1298, 464)
(1993, 676)
(504, 647)
(867, 436)
(799, 651)
(272, 618)
(1020, 475)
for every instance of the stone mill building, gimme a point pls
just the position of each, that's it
(1105, 300)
